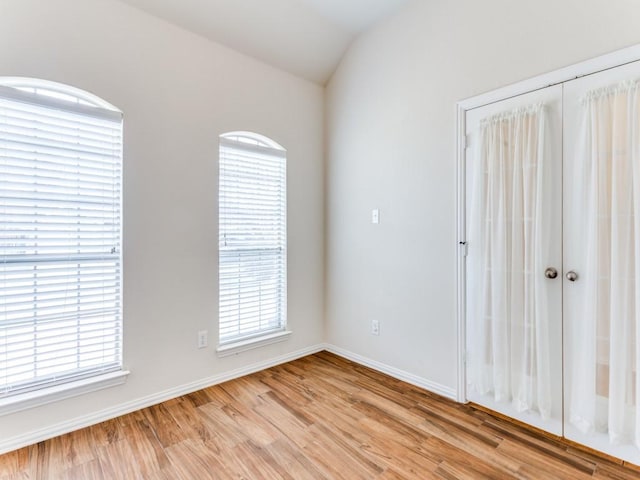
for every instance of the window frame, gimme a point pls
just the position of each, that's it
(48, 97)
(254, 146)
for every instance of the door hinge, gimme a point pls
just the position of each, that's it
(464, 248)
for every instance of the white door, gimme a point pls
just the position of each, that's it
(602, 252)
(514, 277)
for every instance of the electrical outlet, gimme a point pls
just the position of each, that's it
(203, 339)
(375, 216)
(375, 327)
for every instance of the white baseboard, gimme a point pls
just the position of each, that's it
(396, 373)
(35, 436)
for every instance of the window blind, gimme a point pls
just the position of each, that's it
(60, 260)
(252, 239)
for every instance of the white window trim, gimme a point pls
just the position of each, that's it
(37, 398)
(262, 340)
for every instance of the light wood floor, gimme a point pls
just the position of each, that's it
(318, 417)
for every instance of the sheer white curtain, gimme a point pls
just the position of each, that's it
(508, 347)
(604, 383)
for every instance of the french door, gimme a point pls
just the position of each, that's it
(514, 324)
(602, 247)
(553, 264)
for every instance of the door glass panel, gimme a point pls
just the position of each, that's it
(602, 245)
(513, 309)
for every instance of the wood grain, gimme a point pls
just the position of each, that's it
(320, 417)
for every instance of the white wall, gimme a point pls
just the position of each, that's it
(390, 132)
(178, 93)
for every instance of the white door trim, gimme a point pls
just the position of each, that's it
(588, 67)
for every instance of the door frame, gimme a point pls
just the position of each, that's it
(588, 67)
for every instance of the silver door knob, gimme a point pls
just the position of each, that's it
(551, 273)
(572, 276)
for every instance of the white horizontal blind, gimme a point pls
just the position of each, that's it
(252, 239)
(60, 260)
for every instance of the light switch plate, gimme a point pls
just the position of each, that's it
(203, 339)
(375, 327)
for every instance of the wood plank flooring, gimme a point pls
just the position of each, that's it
(320, 417)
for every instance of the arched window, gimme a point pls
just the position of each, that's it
(252, 237)
(60, 227)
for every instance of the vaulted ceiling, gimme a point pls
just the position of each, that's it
(304, 37)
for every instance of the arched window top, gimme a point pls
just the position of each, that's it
(56, 92)
(254, 139)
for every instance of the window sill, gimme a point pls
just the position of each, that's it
(251, 343)
(45, 396)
